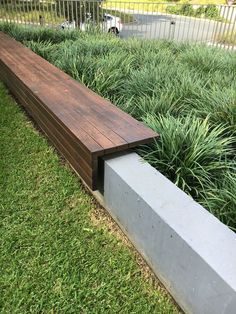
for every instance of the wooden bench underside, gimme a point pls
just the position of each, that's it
(82, 125)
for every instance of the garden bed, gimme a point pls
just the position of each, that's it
(184, 92)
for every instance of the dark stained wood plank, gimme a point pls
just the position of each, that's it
(86, 170)
(19, 52)
(81, 124)
(108, 118)
(49, 97)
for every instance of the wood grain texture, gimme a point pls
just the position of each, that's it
(82, 125)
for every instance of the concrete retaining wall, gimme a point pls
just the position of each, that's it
(190, 251)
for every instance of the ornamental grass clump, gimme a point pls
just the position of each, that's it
(219, 106)
(39, 34)
(190, 152)
(220, 198)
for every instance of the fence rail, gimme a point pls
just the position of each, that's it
(212, 24)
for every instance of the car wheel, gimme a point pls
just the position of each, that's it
(113, 30)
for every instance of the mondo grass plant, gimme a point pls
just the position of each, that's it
(185, 92)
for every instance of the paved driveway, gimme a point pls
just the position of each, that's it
(180, 28)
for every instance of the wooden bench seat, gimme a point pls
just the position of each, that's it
(82, 125)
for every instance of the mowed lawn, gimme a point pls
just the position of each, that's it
(53, 258)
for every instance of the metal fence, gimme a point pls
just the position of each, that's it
(212, 24)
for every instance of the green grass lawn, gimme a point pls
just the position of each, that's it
(53, 257)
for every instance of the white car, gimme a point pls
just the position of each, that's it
(110, 24)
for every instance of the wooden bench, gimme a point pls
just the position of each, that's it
(82, 125)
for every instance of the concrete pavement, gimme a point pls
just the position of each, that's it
(179, 28)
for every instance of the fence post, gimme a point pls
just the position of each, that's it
(41, 20)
